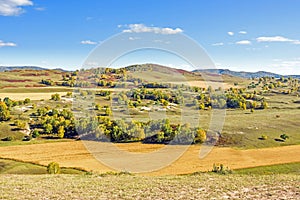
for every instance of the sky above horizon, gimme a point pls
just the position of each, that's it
(249, 35)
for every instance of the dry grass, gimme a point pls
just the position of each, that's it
(32, 96)
(203, 186)
(75, 154)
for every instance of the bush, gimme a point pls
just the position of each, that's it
(221, 169)
(35, 134)
(26, 101)
(284, 136)
(55, 97)
(53, 168)
(200, 136)
(264, 137)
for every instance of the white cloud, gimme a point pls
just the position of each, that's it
(273, 39)
(230, 33)
(243, 32)
(134, 38)
(40, 8)
(13, 7)
(162, 41)
(141, 28)
(89, 42)
(244, 42)
(7, 44)
(277, 39)
(296, 42)
(286, 67)
(218, 44)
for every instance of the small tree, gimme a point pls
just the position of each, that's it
(55, 97)
(69, 94)
(4, 112)
(200, 136)
(97, 107)
(35, 133)
(108, 112)
(264, 105)
(61, 132)
(53, 168)
(26, 101)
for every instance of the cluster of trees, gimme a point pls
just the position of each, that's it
(70, 79)
(233, 98)
(202, 99)
(47, 82)
(161, 131)
(7, 104)
(270, 84)
(56, 122)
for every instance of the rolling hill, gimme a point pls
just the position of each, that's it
(243, 74)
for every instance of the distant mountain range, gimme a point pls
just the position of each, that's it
(8, 68)
(243, 74)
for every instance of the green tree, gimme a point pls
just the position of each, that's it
(61, 132)
(26, 101)
(53, 168)
(200, 136)
(55, 97)
(284, 137)
(4, 112)
(108, 112)
(35, 133)
(264, 105)
(48, 128)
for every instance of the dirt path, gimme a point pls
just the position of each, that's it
(75, 154)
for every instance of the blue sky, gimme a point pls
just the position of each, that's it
(248, 35)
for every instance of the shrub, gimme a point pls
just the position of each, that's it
(53, 168)
(26, 101)
(55, 97)
(69, 94)
(221, 169)
(35, 134)
(264, 137)
(200, 136)
(284, 136)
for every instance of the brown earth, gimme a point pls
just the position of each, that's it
(75, 154)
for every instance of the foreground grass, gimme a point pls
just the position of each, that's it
(201, 186)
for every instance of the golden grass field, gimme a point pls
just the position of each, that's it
(75, 154)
